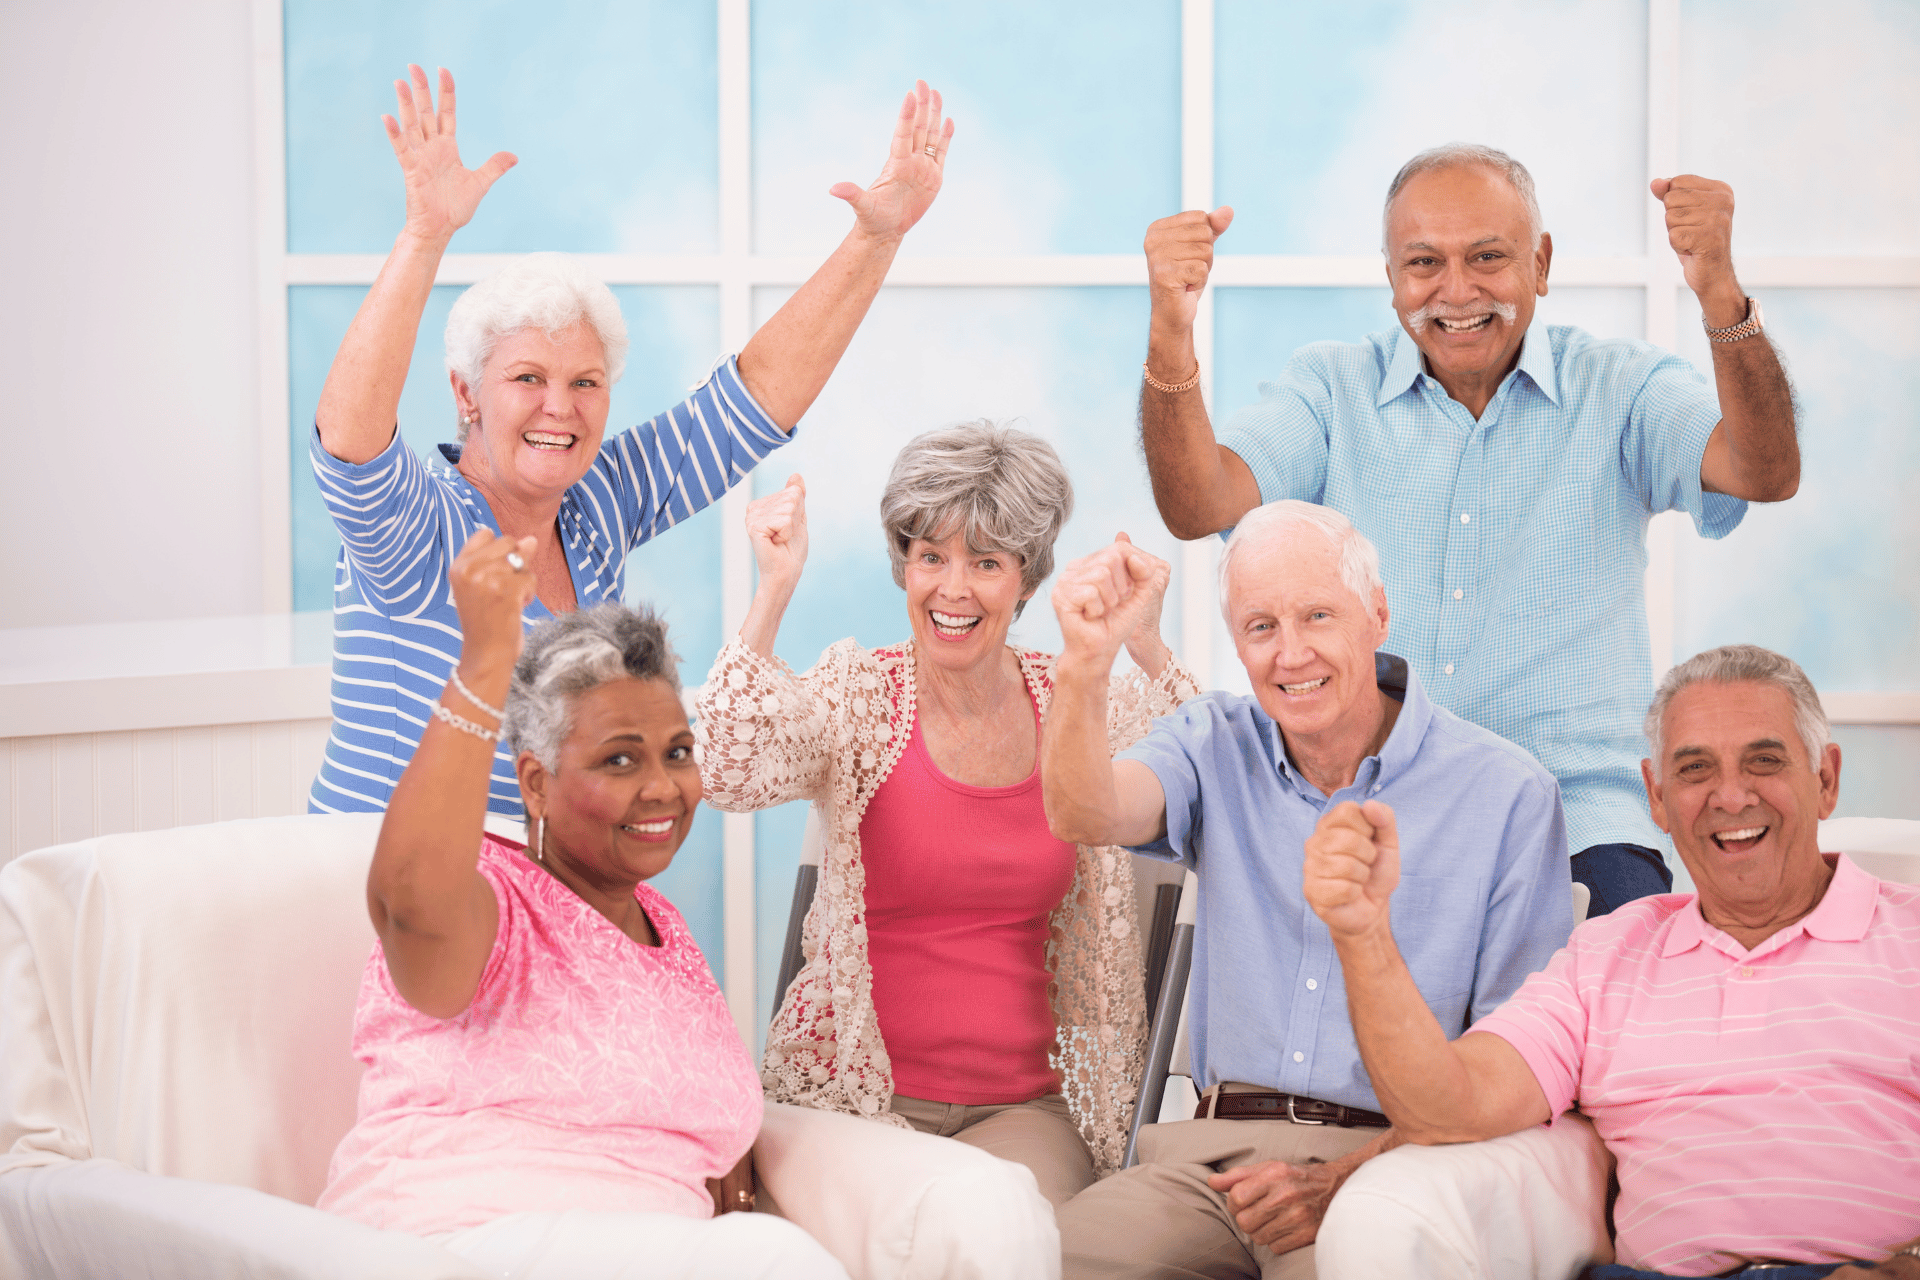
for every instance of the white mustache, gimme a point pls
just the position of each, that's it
(1425, 315)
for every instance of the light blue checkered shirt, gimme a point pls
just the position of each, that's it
(1513, 548)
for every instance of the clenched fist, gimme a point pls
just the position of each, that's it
(1352, 866)
(777, 527)
(489, 591)
(1700, 229)
(1102, 599)
(1179, 259)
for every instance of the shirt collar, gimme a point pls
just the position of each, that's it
(1405, 365)
(1395, 677)
(1536, 361)
(1845, 911)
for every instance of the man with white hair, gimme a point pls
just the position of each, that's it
(1747, 1053)
(1507, 471)
(1231, 787)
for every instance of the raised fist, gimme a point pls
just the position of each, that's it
(1700, 229)
(1179, 259)
(1103, 598)
(777, 527)
(1352, 865)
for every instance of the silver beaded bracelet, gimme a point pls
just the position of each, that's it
(465, 725)
(477, 701)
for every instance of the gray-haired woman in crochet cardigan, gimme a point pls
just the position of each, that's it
(967, 973)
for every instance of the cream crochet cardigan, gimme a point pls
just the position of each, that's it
(832, 736)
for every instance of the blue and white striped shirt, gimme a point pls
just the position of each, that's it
(396, 634)
(1513, 548)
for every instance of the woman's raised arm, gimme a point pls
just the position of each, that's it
(777, 527)
(361, 399)
(791, 357)
(434, 912)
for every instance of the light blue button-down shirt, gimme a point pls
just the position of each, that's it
(1513, 548)
(1485, 896)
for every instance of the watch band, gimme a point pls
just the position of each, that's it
(1735, 332)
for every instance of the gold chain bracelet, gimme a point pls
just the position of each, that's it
(1174, 389)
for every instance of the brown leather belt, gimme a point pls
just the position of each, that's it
(1286, 1106)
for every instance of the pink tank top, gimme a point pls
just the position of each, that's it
(589, 1072)
(960, 883)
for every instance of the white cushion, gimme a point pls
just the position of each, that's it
(182, 1001)
(1885, 847)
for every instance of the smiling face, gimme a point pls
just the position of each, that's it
(1738, 795)
(959, 602)
(1465, 273)
(542, 406)
(621, 801)
(1306, 640)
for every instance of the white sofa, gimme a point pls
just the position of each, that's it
(175, 1010)
(1529, 1206)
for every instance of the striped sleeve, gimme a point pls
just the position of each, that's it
(650, 478)
(1547, 1022)
(397, 525)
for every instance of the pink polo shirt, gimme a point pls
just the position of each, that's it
(1761, 1103)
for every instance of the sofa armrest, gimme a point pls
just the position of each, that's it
(1529, 1206)
(101, 1218)
(895, 1205)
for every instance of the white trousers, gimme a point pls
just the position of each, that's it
(580, 1245)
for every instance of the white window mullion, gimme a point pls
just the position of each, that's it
(736, 552)
(1199, 601)
(1662, 301)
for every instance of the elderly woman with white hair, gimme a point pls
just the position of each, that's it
(531, 354)
(967, 974)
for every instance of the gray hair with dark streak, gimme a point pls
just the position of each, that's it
(574, 653)
(1736, 664)
(1002, 488)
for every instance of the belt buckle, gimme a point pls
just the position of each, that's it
(1295, 1118)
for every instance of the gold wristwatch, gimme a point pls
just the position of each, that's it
(1735, 332)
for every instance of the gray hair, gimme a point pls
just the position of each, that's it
(1359, 561)
(1454, 155)
(545, 291)
(1004, 489)
(573, 653)
(1734, 664)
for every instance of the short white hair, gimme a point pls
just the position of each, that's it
(1359, 561)
(1738, 664)
(1452, 156)
(545, 291)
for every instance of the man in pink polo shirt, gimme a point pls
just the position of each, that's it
(1750, 1054)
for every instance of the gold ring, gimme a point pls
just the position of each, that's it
(932, 152)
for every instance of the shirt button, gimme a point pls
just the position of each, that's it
(1457, 593)
(1746, 971)
(1312, 985)
(1299, 1056)
(1465, 518)
(1449, 668)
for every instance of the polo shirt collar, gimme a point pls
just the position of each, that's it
(1395, 676)
(1843, 915)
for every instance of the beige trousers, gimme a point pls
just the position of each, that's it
(1039, 1134)
(1161, 1219)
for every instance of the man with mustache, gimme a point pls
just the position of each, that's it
(1505, 473)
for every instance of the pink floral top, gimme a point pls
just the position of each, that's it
(588, 1073)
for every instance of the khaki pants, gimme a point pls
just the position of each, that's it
(1039, 1134)
(1161, 1219)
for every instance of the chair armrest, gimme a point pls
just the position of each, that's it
(101, 1218)
(1529, 1206)
(889, 1203)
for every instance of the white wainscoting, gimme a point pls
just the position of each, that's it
(69, 786)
